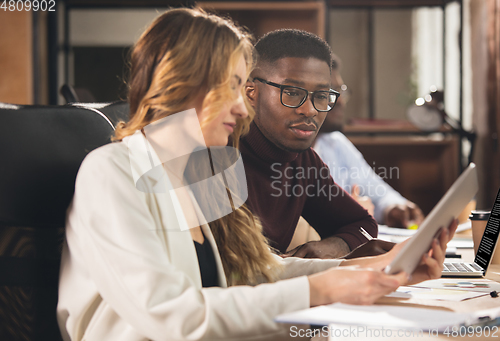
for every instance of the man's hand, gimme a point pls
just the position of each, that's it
(332, 247)
(363, 201)
(430, 266)
(373, 247)
(403, 215)
(431, 263)
(365, 282)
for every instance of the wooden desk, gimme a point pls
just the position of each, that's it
(475, 304)
(466, 306)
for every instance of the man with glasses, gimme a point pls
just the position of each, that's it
(291, 94)
(352, 172)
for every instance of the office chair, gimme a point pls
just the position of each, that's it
(41, 148)
(114, 111)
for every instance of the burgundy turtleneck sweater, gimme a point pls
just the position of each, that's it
(282, 186)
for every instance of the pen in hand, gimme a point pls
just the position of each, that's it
(364, 233)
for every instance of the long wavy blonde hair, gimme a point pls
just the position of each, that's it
(183, 52)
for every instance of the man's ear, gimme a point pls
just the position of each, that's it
(251, 92)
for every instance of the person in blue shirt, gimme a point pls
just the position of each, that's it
(350, 170)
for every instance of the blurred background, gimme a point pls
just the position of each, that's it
(393, 52)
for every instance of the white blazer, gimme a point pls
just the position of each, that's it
(129, 272)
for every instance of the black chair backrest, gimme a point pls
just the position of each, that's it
(114, 111)
(41, 149)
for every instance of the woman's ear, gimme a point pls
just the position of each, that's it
(251, 92)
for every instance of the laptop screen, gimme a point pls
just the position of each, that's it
(490, 236)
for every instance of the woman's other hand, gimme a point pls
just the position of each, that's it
(352, 285)
(356, 285)
(431, 264)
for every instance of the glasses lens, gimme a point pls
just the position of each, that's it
(293, 97)
(324, 100)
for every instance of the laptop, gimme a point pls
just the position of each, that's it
(484, 252)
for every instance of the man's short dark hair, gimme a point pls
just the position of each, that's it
(293, 43)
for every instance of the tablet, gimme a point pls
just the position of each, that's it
(447, 209)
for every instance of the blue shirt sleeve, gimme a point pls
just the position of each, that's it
(348, 167)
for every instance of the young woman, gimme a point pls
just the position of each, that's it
(141, 262)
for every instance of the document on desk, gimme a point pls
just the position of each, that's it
(378, 315)
(439, 294)
(394, 231)
(457, 243)
(472, 285)
(397, 235)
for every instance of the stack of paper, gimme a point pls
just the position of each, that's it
(397, 235)
(389, 316)
(376, 316)
(437, 293)
(460, 284)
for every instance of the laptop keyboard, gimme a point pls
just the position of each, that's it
(461, 267)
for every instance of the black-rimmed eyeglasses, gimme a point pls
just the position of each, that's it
(294, 96)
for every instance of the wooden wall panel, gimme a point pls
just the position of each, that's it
(420, 168)
(16, 55)
(262, 17)
(388, 3)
